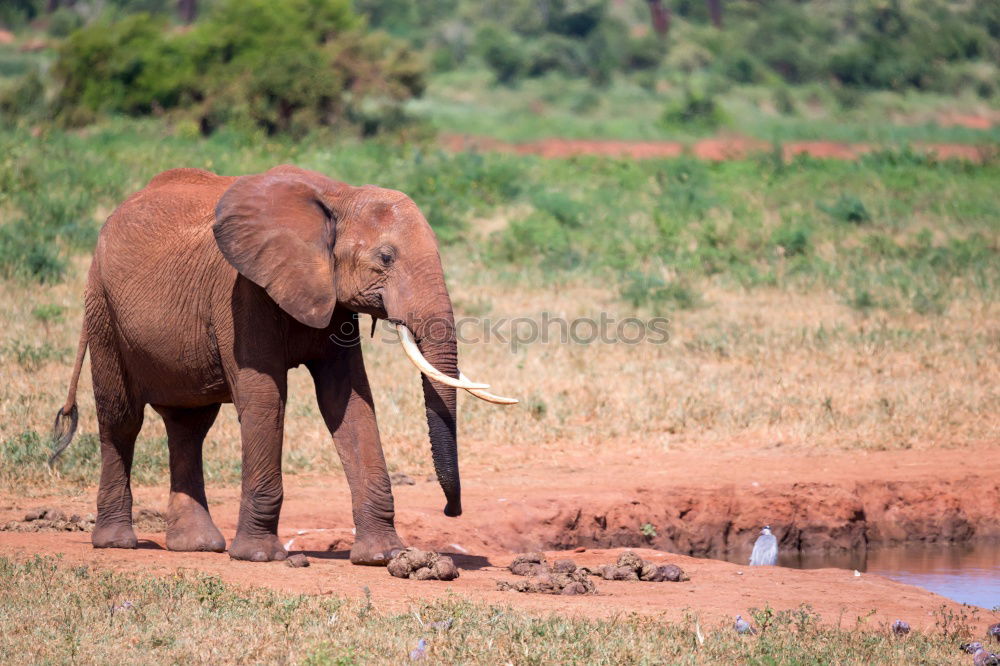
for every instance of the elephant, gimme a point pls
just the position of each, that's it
(206, 289)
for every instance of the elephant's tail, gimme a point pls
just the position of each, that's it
(68, 415)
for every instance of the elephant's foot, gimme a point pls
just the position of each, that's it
(114, 535)
(375, 550)
(190, 527)
(257, 549)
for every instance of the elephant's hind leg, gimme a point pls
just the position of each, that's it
(119, 419)
(189, 524)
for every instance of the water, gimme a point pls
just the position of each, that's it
(967, 573)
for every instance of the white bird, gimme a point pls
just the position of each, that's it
(765, 549)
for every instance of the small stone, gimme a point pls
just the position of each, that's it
(75, 518)
(296, 561)
(574, 588)
(580, 549)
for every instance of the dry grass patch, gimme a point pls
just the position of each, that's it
(766, 367)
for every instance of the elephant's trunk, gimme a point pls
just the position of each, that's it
(440, 404)
(433, 326)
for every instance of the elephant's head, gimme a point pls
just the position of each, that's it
(313, 242)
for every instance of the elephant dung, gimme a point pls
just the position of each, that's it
(631, 567)
(564, 566)
(48, 519)
(400, 479)
(44, 512)
(569, 584)
(150, 520)
(422, 565)
(529, 564)
(670, 573)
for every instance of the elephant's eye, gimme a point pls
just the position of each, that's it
(386, 255)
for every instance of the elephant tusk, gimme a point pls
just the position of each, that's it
(413, 353)
(486, 395)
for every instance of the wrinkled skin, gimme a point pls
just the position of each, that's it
(206, 289)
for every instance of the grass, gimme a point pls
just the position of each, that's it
(466, 101)
(81, 614)
(802, 299)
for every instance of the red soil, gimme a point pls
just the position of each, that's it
(697, 504)
(714, 149)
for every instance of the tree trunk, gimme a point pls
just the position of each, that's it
(715, 11)
(187, 10)
(660, 16)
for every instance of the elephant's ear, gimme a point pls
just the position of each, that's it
(278, 229)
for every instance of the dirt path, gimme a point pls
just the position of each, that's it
(810, 500)
(713, 149)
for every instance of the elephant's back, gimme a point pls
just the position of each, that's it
(161, 236)
(173, 205)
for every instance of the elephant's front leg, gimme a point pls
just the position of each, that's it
(260, 402)
(345, 401)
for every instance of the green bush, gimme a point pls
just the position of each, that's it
(64, 21)
(792, 239)
(23, 254)
(696, 110)
(25, 98)
(503, 53)
(283, 67)
(642, 289)
(576, 39)
(847, 208)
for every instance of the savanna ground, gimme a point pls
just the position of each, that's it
(831, 325)
(820, 313)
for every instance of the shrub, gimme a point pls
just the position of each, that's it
(24, 254)
(696, 110)
(64, 21)
(282, 67)
(503, 53)
(25, 98)
(847, 208)
(792, 239)
(650, 289)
